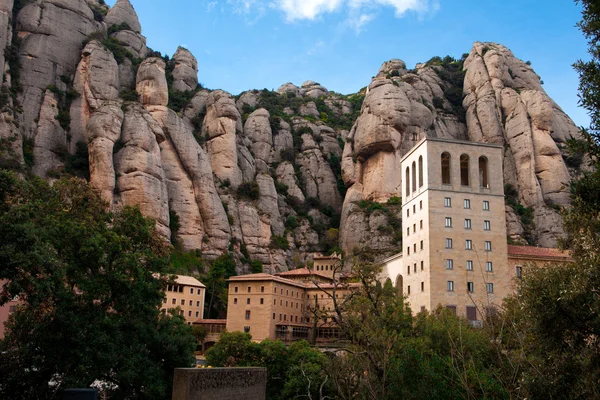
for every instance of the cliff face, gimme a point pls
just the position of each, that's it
(264, 174)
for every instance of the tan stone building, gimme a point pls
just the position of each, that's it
(288, 306)
(454, 237)
(188, 294)
(455, 252)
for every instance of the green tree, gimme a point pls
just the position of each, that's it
(216, 285)
(92, 283)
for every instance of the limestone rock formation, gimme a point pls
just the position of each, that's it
(151, 83)
(264, 174)
(185, 73)
(96, 81)
(123, 12)
(51, 33)
(221, 125)
(506, 104)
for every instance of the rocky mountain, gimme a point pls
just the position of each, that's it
(268, 176)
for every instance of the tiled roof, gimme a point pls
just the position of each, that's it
(538, 252)
(264, 277)
(302, 272)
(189, 281)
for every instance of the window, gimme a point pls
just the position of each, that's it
(421, 245)
(422, 286)
(247, 329)
(468, 244)
(464, 170)
(470, 287)
(262, 289)
(247, 314)
(180, 289)
(273, 315)
(414, 248)
(414, 228)
(422, 265)
(421, 224)
(408, 289)
(448, 243)
(448, 223)
(408, 251)
(486, 205)
(447, 202)
(467, 224)
(235, 289)
(414, 208)
(488, 245)
(420, 171)
(174, 301)
(407, 181)
(519, 271)
(420, 204)
(262, 300)
(189, 313)
(182, 302)
(487, 225)
(191, 290)
(489, 267)
(489, 287)
(471, 313)
(449, 264)
(450, 286)
(408, 212)
(483, 172)
(197, 314)
(198, 304)
(414, 176)
(452, 309)
(248, 300)
(407, 231)
(446, 169)
(408, 270)
(466, 204)
(191, 303)
(469, 265)
(274, 302)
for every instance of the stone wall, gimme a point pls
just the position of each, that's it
(220, 384)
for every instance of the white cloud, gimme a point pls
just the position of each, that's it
(310, 9)
(360, 12)
(358, 22)
(307, 9)
(210, 6)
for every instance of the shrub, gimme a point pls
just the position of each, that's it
(279, 242)
(249, 190)
(179, 100)
(281, 188)
(438, 103)
(287, 155)
(129, 95)
(395, 201)
(256, 267)
(291, 222)
(78, 164)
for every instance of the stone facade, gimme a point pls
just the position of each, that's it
(454, 230)
(188, 294)
(220, 384)
(290, 305)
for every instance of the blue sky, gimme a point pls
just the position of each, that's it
(256, 44)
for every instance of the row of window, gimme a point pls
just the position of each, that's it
(415, 268)
(466, 204)
(487, 225)
(421, 247)
(414, 228)
(414, 176)
(179, 289)
(489, 267)
(489, 287)
(297, 293)
(469, 244)
(182, 302)
(465, 178)
(414, 208)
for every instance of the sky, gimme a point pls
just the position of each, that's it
(255, 44)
